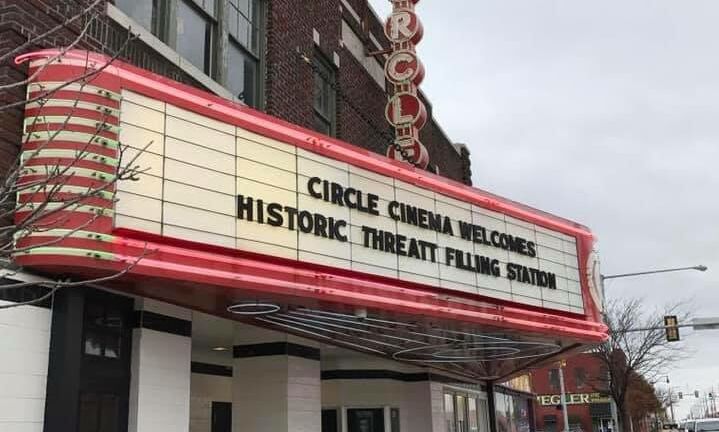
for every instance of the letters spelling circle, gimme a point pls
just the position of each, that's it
(404, 26)
(404, 108)
(404, 66)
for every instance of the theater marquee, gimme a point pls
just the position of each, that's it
(216, 183)
(236, 205)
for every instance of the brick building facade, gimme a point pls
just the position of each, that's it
(281, 40)
(588, 405)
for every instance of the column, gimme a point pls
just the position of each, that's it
(276, 382)
(161, 357)
(24, 351)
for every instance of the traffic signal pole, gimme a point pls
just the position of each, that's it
(696, 324)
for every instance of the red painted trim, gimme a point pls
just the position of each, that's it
(70, 220)
(70, 145)
(72, 127)
(265, 279)
(59, 197)
(70, 162)
(74, 95)
(59, 111)
(123, 76)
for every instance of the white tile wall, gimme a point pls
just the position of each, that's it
(205, 163)
(160, 375)
(25, 347)
(286, 396)
(421, 406)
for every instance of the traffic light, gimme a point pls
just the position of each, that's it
(671, 329)
(696, 393)
(681, 395)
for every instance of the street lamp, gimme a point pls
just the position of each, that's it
(700, 268)
(671, 397)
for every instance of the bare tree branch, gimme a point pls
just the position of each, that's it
(42, 192)
(633, 357)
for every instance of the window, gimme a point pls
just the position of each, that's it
(242, 18)
(242, 75)
(449, 413)
(465, 413)
(194, 35)
(604, 378)
(151, 14)
(550, 423)
(473, 415)
(191, 28)
(554, 379)
(102, 331)
(142, 11)
(580, 377)
(461, 412)
(324, 96)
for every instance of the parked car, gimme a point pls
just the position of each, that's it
(705, 425)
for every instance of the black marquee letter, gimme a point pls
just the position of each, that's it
(310, 187)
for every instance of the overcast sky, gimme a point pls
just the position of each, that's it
(605, 112)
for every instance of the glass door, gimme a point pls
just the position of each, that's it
(449, 413)
(465, 412)
(461, 412)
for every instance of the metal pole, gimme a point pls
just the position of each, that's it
(564, 397)
(671, 403)
(612, 402)
(698, 267)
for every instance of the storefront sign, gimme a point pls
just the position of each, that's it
(573, 399)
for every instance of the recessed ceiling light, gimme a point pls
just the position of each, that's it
(253, 308)
(220, 348)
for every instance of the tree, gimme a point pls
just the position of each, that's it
(637, 350)
(38, 191)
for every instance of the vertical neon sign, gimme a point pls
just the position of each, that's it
(405, 111)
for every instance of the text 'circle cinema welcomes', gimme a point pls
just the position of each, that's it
(265, 211)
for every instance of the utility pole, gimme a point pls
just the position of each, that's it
(564, 396)
(671, 399)
(671, 403)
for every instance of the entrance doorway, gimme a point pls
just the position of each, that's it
(330, 420)
(105, 364)
(365, 420)
(89, 365)
(221, 417)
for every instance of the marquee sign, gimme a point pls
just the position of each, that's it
(227, 186)
(405, 110)
(237, 199)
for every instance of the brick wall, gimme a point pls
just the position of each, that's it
(594, 381)
(361, 121)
